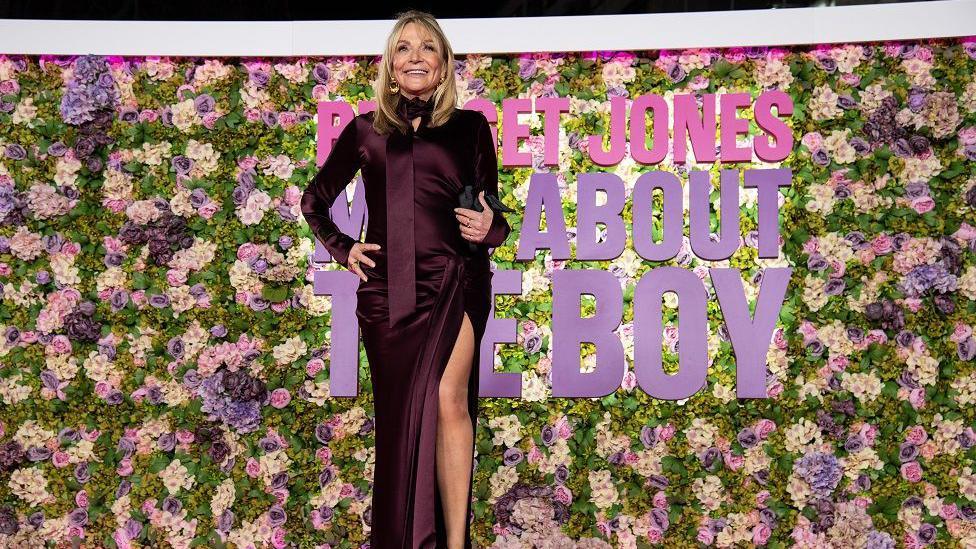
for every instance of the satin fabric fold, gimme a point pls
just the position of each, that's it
(402, 265)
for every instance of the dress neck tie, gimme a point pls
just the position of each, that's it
(401, 264)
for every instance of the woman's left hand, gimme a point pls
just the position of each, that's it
(475, 224)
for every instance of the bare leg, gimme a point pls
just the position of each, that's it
(454, 436)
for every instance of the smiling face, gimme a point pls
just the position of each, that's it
(417, 64)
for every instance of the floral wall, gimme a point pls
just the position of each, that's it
(164, 361)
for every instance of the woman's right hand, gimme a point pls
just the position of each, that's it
(357, 255)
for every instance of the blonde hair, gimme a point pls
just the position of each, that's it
(385, 117)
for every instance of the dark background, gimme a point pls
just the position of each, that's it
(290, 10)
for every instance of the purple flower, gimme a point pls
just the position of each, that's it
(747, 437)
(926, 533)
(166, 442)
(203, 103)
(907, 452)
(512, 457)
(82, 473)
(323, 433)
(966, 349)
(822, 472)
(276, 516)
(8, 521)
(172, 505)
(78, 517)
(226, 521)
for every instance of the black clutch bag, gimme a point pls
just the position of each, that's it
(469, 200)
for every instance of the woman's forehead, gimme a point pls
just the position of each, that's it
(413, 30)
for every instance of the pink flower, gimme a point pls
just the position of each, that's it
(176, 277)
(882, 244)
(666, 432)
(60, 459)
(280, 397)
(562, 494)
(965, 232)
(660, 500)
(252, 468)
(121, 538)
(654, 535)
(763, 427)
(949, 511)
(208, 210)
(917, 398)
(734, 462)
(125, 467)
(916, 435)
(323, 454)
(314, 366)
(923, 204)
(705, 535)
(278, 538)
(812, 141)
(911, 471)
(184, 436)
(760, 533)
(961, 332)
(761, 497)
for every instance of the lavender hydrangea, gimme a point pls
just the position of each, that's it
(822, 472)
(235, 398)
(91, 89)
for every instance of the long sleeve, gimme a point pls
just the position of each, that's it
(338, 170)
(486, 175)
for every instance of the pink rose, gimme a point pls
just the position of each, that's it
(916, 435)
(81, 498)
(654, 535)
(208, 210)
(812, 141)
(911, 471)
(121, 538)
(278, 538)
(961, 333)
(734, 462)
(175, 277)
(102, 389)
(923, 204)
(323, 454)
(252, 468)
(705, 535)
(293, 195)
(184, 436)
(314, 366)
(666, 432)
(280, 397)
(761, 497)
(965, 232)
(125, 467)
(882, 244)
(562, 494)
(660, 500)
(247, 251)
(763, 427)
(29, 336)
(917, 398)
(949, 511)
(60, 345)
(60, 459)
(760, 533)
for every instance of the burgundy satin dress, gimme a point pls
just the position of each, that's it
(407, 359)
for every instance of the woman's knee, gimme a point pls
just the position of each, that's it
(453, 398)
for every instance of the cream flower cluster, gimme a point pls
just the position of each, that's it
(12, 391)
(801, 435)
(176, 476)
(709, 491)
(289, 350)
(864, 386)
(506, 430)
(30, 485)
(603, 491)
(701, 435)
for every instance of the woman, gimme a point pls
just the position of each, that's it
(424, 297)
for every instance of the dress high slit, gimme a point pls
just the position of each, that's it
(408, 359)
